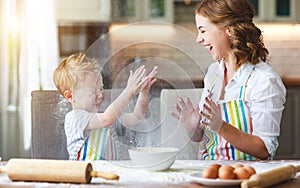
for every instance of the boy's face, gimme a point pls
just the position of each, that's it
(89, 93)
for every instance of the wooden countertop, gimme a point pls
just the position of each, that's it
(291, 81)
(290, 74)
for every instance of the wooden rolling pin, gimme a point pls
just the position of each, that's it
(271, 177)
(45, 170)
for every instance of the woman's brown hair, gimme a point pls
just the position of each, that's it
(236, 15)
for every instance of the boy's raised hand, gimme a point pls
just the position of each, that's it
(148, 81)
(135, 80)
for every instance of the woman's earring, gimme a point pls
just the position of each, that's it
(228, 33)
(230, 37)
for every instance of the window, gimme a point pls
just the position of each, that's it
(283, 7)
(126, 8)
(157, 8)
(255, 6)
(141, 10)
(123, 9)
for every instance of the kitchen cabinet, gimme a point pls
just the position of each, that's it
(82, 10)
(289, 140)
(146, 10)
(266, 10)
(277, 10)
(161, 10)
(75, 37)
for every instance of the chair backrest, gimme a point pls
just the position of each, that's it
(48, 139)
(173, 134)
(48, 136)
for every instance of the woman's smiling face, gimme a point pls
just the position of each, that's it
(214, 39)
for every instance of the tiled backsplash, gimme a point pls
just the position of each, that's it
(283, 43)
(284, 57)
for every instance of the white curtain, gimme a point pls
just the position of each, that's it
(29, 66)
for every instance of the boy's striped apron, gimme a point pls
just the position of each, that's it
(235, 113)
(98, 146)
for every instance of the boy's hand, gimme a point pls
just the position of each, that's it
(148, 81)
(135, 80)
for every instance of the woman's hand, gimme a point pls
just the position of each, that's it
(187, 114)
(212, 115)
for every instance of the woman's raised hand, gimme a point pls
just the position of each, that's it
(212, 115)
(187, 114)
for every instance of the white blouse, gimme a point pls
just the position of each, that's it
(265, 96)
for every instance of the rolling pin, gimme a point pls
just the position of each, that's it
(271, 177)
(45, 170)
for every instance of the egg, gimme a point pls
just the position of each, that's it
(226, 172)
(237, 165)
(216, 166)
(241, 173)
(250, 169)
(210, 172)
(226, 167)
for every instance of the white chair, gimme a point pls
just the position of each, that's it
(173, 134)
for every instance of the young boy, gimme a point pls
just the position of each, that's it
(89, 133)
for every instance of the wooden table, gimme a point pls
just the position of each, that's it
(177, 176)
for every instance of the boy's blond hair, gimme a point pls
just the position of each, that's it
(72, 70)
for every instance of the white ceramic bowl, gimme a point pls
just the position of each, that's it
(153, 158)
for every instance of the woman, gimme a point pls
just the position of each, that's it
(240, 118)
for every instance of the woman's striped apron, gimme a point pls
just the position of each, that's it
(98, 146)
(235, 113)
